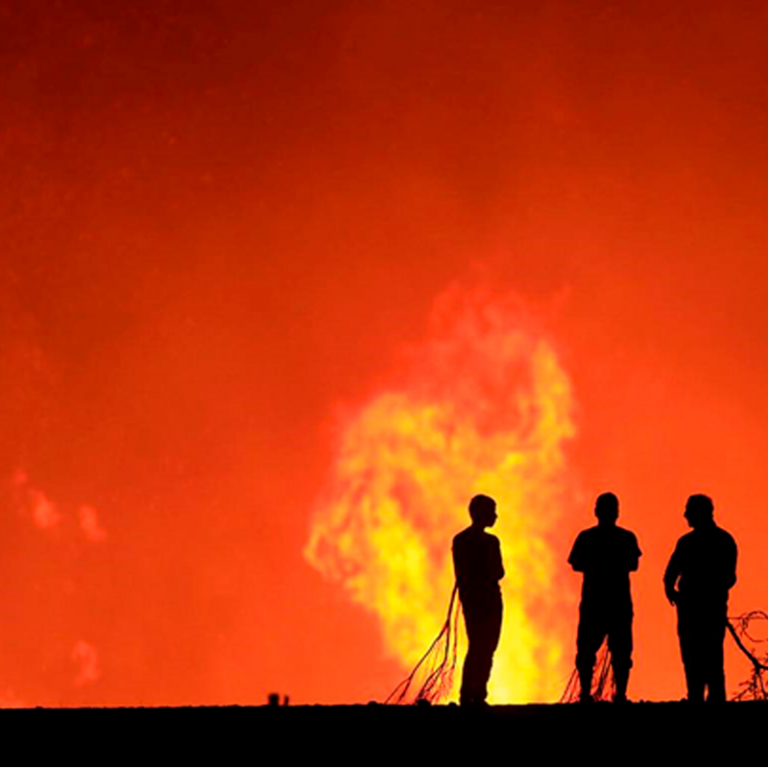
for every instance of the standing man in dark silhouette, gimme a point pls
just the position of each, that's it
(606, 555)
(479, 568)
(700, 574)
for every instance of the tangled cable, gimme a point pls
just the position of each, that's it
(603, 683)
(741, 629)
(431, 680)
(755, 687)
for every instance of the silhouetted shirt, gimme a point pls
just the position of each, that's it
(606, 555)
(703, 565)
(478, 566)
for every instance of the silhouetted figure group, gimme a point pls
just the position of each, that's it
(697, 581)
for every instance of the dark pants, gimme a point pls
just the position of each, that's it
(596, 622)
(701, 629)
(482, 619)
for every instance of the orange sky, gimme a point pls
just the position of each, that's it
(221, 221)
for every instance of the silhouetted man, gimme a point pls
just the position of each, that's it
(479, 568)
(606, 555)
(700, 574)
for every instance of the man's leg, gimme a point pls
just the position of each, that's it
(469, 673)
(588, 641)
(714, 670)
(689, 631)
(490, 641)
(483, 632)
(620, 646)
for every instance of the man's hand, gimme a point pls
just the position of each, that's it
(673, 596)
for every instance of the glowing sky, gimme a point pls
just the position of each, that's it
(223, 226)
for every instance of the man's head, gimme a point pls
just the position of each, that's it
(699, 510)
(482, 510)
(607, 508)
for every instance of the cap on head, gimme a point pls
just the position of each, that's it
(482, 509)
(699, 509)
(607, 507)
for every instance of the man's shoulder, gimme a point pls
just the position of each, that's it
(600, 537)
(469, 534)
(725, 536)
(462, 536)
(700, 537)
(687, 540)
(599, 533)
(623, 531)
(626, 534)
(585, 541)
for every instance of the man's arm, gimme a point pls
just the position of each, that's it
(458, 564)
(671, 575)
(499, 565)
(576, 558)
(633, 561)
(730, 571)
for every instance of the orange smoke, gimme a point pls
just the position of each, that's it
(483, 406)
(86, 657)
(33, 502)
(90, 525)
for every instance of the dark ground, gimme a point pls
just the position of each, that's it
(550, 734)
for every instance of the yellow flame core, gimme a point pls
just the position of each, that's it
(485, 407)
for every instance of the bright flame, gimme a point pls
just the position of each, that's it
(484, 408)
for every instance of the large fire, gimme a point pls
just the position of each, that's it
(484, 406)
